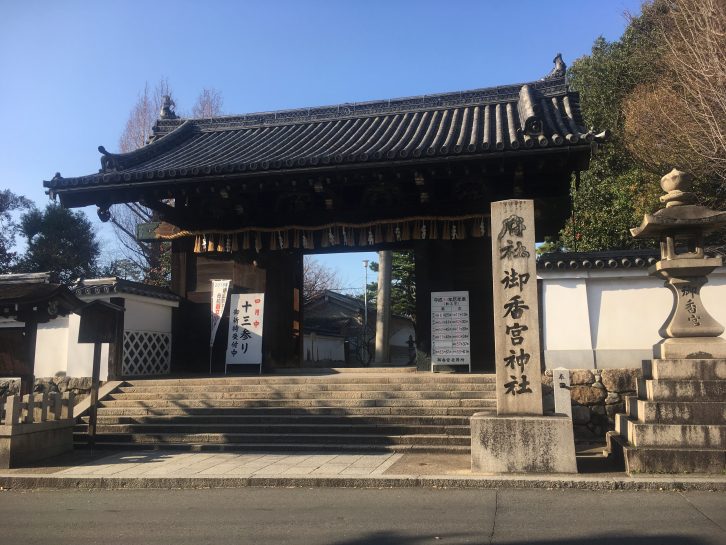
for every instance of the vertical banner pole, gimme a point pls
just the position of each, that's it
(219, 300)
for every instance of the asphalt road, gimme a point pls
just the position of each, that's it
(262, 516)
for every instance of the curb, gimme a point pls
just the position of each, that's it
(39, 482)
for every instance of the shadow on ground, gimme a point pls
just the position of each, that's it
(394, 538)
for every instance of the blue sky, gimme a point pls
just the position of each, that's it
(72, 70)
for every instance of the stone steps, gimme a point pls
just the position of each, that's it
(669, 459)
(677, 435)
(429, 378)
(677, 422)
(327, 387)
(676, 412)
(691, 369)
(685, 390)
(356, 411)
(363, 440)
(299, 403)
(268, 419)
(277, 429)
(295, 395)
(137, 411)
(276, 447)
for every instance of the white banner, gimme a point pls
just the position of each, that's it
(245, 329)
(219, 300)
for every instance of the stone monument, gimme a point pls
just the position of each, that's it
(677, 422)
(519, 438)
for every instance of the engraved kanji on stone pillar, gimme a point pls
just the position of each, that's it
(516, 316)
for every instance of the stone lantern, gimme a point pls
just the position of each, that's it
(689, 331)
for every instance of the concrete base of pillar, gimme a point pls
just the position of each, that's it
(23, 444)
(690, 347)
(522, 444)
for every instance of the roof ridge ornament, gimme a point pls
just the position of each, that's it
(559, 70)
(167, 108)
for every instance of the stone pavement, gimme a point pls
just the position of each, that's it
(181, 469)
(230, 464)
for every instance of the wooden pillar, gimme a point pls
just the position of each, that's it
(281, 345)
(182, 263)
(92, 408)
(116, 348)
(31, 335)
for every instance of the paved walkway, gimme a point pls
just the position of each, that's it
(226, 464)
(177, 469)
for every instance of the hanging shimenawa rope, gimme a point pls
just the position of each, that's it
(336, 234)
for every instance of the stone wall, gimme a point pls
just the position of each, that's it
(80, 386)
(597, 396)
(9, 386)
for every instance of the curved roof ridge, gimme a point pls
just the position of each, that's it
(486, 95)
(119, 161)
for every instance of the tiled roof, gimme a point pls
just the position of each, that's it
(612, 259)
(108, 286)
(515, 118)
(34, 290)
(616, 259)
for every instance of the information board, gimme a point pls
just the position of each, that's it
(450, 333)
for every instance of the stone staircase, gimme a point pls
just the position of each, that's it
(388, 410)
(677, 423)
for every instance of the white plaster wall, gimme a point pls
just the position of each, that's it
(400, 337)
(58, 352)
(567, 323)
(51, 348)
(322, 347)
(602, 319)
(627, 312)
(713, 296)
(80, 355)
(147, 316)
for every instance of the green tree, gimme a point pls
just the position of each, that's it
(659, 89)
(403, 285)
(617, 190)
(9, 203)
(60, 241)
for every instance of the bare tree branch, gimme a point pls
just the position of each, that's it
(209, 104)
(681, 119)
(317, 278)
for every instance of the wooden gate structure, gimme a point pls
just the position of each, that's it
(245, 197)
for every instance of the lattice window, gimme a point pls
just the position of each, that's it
(146, 353)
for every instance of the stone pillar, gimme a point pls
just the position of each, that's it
(518, 439)
(383, 307)
(516, 316)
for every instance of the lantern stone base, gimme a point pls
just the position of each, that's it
(522, 444)
(676, 423)
(690, 348)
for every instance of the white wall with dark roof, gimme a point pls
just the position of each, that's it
(609, 318)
